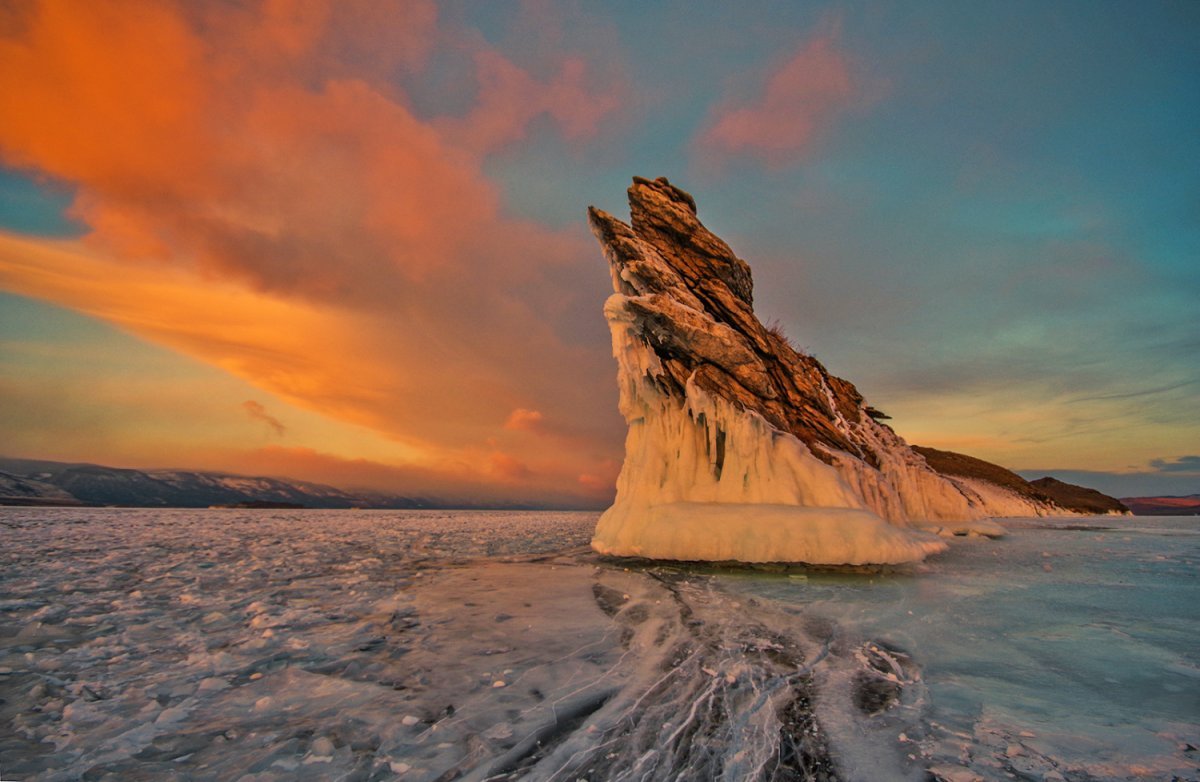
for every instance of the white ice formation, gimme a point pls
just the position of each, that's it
(741, 448)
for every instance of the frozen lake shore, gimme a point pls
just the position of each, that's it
(263, 645)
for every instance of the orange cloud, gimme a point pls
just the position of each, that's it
(594, 483)
(188, 147)
(304, 463)
(508, 467)
(260, 194)
(522, 420)
(796, 103)
(284, 345)
(602, 482)
(446, 481)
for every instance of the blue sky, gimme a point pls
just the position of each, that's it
(986, 215)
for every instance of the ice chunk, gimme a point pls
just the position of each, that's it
(748, 532)
(771, 501)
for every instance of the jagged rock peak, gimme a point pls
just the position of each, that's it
(695, 297)
(741, 447)
(666, 217)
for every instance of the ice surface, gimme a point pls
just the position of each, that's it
(273, 645)
(224, 644)
(762, 532)
(1068, 648)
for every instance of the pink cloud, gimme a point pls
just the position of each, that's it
(510, 97)
(795, 105)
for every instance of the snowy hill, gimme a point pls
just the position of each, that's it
(19, 490)
(34, 482)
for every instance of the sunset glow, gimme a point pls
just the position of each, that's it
(344, 241)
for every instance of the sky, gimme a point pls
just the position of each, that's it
(345, 241)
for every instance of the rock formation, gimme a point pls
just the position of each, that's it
(741, 447)
(1066, 496)
(1079, 498)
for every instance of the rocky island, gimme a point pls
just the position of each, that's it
(741, 447)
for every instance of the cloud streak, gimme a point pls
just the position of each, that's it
(259, 413)
(1184, 464)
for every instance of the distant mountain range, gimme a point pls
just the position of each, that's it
(35, 482)
(1188, 505)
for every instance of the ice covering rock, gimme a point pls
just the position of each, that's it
(741, 447)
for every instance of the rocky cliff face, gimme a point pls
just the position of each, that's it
(741, 447)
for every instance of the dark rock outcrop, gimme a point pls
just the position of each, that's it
(739, 445)
(1078, 498)
(951, 463)
(695, 301)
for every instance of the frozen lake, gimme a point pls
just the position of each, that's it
(1068, 649)
(273, 645)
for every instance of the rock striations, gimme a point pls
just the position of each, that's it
(741, 447)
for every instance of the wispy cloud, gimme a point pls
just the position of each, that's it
(259, 413)
(1138, 393)
(795, 103)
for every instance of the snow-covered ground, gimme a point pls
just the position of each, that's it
(280, 645)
